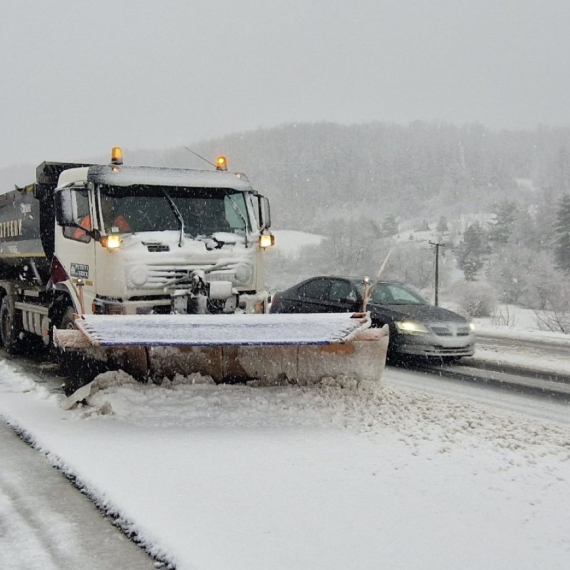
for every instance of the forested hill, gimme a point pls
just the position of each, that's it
(315, 172)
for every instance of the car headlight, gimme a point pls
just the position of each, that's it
(471, 326)
(411, 327)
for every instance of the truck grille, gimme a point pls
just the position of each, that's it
(160, 276)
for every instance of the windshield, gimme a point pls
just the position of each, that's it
(204, 211)
(393, 294)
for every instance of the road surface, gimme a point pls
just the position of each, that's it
(47, 524)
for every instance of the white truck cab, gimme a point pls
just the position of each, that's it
(139, 240)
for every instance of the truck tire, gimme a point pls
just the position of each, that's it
(67, 319)
(77, 368)
(10, 328)
(12, 334)
(69, 361)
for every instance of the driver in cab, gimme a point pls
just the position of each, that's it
(112, 223)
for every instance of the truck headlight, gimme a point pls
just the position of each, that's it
(243, 274)
(266, 240)
(111, 241)
(411, 327)
(138, 276)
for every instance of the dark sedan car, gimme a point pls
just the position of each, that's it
(416, 327)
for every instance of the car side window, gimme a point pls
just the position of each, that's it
(341, 291)
(316, 289)
(381, 294)
(400, 295)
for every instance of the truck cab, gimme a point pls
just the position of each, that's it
(140, 240)
(133, 240)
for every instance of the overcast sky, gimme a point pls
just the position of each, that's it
(80, 76)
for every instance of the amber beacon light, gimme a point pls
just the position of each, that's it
(117, 155)
(221, 163)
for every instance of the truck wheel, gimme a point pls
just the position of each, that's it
(10, 328)
(67, 319)
(77, 368)
(69, 361)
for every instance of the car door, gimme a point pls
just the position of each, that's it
(313, 296)
(341, 297)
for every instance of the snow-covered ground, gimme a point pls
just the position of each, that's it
(519, 323)
(237, 477)
(319, 477)
(289, 243)
(523, 327)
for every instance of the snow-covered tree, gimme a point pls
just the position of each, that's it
(519, 274)
(562, 234)
(413, 263)
(424, 226)
(506, 213)
(470, 251)
(545, 220)
(390, 225)
(442, 225)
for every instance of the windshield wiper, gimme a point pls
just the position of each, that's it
(177, 214)
(240, 214)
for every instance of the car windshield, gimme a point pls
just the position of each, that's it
(393, 294)
(204, 211)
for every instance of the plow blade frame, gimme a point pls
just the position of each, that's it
(230, 348)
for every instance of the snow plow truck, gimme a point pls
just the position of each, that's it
(159, 271)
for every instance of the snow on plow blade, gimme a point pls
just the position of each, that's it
(271, 347)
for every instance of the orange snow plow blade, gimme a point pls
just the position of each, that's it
(269, 347)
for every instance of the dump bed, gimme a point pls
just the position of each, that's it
(20, 232)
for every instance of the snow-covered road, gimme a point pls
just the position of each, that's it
(282, 478)
(532, 405)
(47, 524)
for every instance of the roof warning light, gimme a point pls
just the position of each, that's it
(221, 163)
(117, 155)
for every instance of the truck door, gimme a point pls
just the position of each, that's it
(75, 249)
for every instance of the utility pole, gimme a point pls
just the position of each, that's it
(437, 245)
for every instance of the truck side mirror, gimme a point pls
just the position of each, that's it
(264, 213)
(66, 208)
